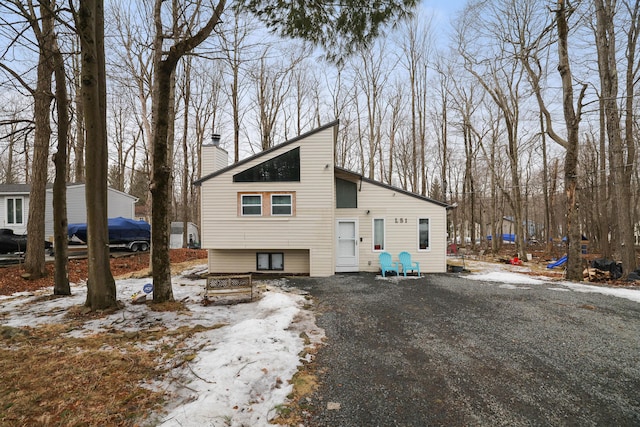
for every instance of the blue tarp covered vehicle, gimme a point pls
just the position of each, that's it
(506, 237)
(122, 231)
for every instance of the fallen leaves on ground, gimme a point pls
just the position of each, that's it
(11, 280)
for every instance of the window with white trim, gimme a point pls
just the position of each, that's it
(424, 234)
(251, 205)
(281, 204)
(14, 210)
(378, 234)
(270, 261)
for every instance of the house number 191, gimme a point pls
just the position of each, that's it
(401, 220)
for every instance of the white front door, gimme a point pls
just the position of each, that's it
(347, 245)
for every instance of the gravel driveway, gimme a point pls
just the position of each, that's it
(445, 350)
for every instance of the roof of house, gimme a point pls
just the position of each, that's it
(113, 190)
(15, 188)
(336, 168)
(26, 188)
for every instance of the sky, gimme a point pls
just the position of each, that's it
(242, 370)
(443, 12)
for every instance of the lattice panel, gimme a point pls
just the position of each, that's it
(221, 282)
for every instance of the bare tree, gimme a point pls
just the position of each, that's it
(42, 26)
(272, 79)
(528, 53)
(60, 222)
(165, 64)
(206, 104)
(497, 71)
(572, 120)
(101, 288)
(621, 142)
(237, 51)
(18, 127)
(373, 72)
(186, 97)
(416, 46)
(79, 140)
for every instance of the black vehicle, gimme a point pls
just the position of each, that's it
(11, 242)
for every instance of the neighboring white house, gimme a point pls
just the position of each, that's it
(290, 209)
(176, 240)
(14, 206)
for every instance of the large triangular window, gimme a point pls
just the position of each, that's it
(285, 167)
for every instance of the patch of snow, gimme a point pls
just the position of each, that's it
(242, 366)
(506, 277)
(630, 294)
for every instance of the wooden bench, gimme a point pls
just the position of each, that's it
(229, 289)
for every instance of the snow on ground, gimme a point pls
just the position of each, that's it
(499, 273)
(506, 277)
(240, 371)
(630, 294)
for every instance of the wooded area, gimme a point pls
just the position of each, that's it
(524, 114)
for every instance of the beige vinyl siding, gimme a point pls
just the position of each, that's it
(401, 213)
(244, 260)
(310, 229)
(213, 158)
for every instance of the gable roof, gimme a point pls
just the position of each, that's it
(73, 185)
(25, 189)
(15, 188)
(265, 152)
(361, 177)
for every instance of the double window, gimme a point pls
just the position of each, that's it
(267, 204)
(270, 261)
(15, 211)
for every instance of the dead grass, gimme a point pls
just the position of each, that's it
(304, 382)
(52, 379)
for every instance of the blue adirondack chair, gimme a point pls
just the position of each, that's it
(407, 264)
(387, 264)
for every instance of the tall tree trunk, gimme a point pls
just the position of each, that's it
(61, 275)
(185, 155)
(545, 190)
(607, 67)
(572, 120)
(161, 190)
(604, 204)
(101, 288)
(79, 145)
(34, 260)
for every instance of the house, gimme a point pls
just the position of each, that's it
(290, 209)
(176, 240)
(14, 205)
